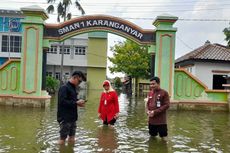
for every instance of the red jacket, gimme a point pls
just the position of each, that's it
(108, 105)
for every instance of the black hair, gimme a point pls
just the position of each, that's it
(79, 74)
(157, 79)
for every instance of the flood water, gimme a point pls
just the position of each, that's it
(34, 130)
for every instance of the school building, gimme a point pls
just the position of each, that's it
(86, 52)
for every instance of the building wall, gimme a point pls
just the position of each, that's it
(203, 71)
(96, 59)
(189, 89)
(72, 60)
(10, 26)
(92, 63)
(54, 70)
(95, 77)
(191, 69)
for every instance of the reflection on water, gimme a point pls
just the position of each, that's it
(31, 130)
(107, 139)
(69, 148)
(157, 145)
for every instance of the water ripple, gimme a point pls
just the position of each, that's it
(39, 131)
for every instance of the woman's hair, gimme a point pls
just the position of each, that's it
(107, 83)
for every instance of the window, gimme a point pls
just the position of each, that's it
(53, 50)
(67, 75)
(79, 50)
(5, 45)
(66, 50)
(218, 81)
(57, 75)
(15, 43)
(189, 69)
(143, 89)
(49, 74)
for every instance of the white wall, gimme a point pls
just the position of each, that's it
(53, 69)
(205, 74)
(191, 69)
(66, 69)
(71, 59)
(55, 59)
(12, 55)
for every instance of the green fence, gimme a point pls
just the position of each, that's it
(10, 77)
(188, 87)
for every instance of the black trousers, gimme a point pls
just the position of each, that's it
(110, 122)
(67, 129)
(161, 129)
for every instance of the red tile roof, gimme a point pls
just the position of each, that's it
(208, 51)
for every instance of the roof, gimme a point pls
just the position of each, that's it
(11, 12)
(208, 51)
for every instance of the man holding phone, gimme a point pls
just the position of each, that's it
(68, 103)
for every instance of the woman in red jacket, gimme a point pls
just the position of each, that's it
(108, 109)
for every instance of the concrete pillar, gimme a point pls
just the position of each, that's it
(32, 51)
(165, 51)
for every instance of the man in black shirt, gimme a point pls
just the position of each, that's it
(67, 107)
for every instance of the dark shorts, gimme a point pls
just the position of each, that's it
(67, 129)
(162, 130)
(110, 122)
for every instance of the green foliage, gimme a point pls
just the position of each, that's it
(130, 58)
(227, 34)
(63, 7)
(117, 82)
(51, 84)
(63, 11)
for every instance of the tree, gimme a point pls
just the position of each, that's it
(131, 59)
(227, 34)
(63, 12)
(63, 8)
(117, 82)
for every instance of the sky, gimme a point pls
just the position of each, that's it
(199, 20)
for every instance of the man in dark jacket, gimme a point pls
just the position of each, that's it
(157, 105)
(67, 107)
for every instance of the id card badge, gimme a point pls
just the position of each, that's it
(158, 104)
(105, 102)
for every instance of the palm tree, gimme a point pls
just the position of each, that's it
(227, 34)
(64, 13)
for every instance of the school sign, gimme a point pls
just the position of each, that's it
(103, 23)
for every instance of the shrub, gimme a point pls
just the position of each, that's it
(51, 84)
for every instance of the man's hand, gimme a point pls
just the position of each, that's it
(81, 103)
(150, 113)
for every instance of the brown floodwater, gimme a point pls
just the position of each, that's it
(34, 130)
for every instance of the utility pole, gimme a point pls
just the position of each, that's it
(62, 62)
(62, 57)
(9, 31)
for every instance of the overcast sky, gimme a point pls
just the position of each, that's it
(190, 34)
